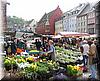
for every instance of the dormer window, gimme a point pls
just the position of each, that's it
(80, 5)
(72, 13)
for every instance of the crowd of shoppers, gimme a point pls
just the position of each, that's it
(89, 51)
(86, 46)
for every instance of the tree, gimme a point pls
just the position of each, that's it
(11, 21)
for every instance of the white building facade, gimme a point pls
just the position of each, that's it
(33, 25)
(70, 18)
(82, 24)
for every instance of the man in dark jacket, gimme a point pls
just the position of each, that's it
(13, 47)
(38, 44)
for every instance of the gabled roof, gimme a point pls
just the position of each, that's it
(89, 8)
(46, 16)
(85, 10)
(82, 9)
(92, 6)
(78, 8)
(43, 18)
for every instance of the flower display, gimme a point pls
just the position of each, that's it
(74, 70)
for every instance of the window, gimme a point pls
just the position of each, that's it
(78, 30)
(84, 18)
(78, 24)
(72, 13)
(75, 24)
(81, 29)
(81, 23)
(84, 23)
(81, 18)
(91, 30)
(93, 14)
(84, 29)
(70, 26)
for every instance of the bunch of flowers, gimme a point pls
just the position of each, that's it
(74, 70)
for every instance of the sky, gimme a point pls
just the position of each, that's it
(35, 9)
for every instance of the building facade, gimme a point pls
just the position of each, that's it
(46, 25)
(70, 18)
(91, 22)
(86, 19)
(82, 20)
(59, 25)
(92, 19)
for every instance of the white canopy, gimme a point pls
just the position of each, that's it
(94, 35)
(57, 36)
(71, 34)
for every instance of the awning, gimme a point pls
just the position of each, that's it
(57, 36)
(94, 35)
(73, 34)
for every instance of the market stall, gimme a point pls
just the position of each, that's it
(34, 64)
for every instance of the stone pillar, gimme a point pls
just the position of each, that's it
(98, 35)
(1, 35)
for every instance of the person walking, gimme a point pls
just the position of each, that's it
(92, 52)
(51, 50)
(85, 52)
(92, 55)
